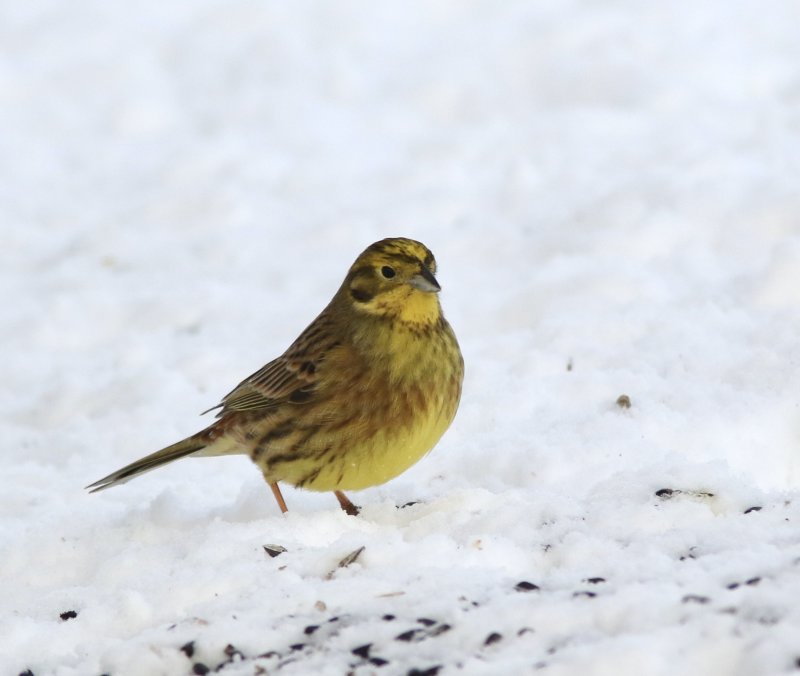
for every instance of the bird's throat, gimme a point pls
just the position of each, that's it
(421, 309)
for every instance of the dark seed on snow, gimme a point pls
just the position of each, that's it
(664, 493)
(752, 509)
(753, 581)
(526, 586)
(274, 550)
(352, 557)
(426, 621)
(695, 598)
(28, 672)
(188, 649)
(733, 585)
(310, 629)
(494, 637)
(387, 618)
(595, 580)
(407, 635)
(587, 594)
(440, 629)
(362, 650)
(378, 661)
(430, 671)
(68, 615)
(297, 646)
(231, 651)
(200, 669)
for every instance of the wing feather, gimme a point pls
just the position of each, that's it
(292, 377)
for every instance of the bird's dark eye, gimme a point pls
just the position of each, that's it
(387, 272)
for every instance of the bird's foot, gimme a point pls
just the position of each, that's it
(345, 504)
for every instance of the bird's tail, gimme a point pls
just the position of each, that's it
(179, 450)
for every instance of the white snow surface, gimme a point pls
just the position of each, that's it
(612, 192)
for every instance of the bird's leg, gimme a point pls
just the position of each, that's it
(345, 503)
(276, 491)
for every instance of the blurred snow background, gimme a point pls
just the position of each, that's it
(612, 191)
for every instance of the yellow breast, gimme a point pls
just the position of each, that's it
(371, 428)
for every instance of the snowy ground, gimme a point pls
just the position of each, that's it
(612, 191)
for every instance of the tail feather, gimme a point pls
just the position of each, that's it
(152, 461)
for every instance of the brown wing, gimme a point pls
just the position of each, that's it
(292, 377)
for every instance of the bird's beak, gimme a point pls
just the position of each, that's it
(425, 281)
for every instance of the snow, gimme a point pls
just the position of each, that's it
(611, 191)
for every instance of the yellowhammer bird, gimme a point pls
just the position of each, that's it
(364, 392)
